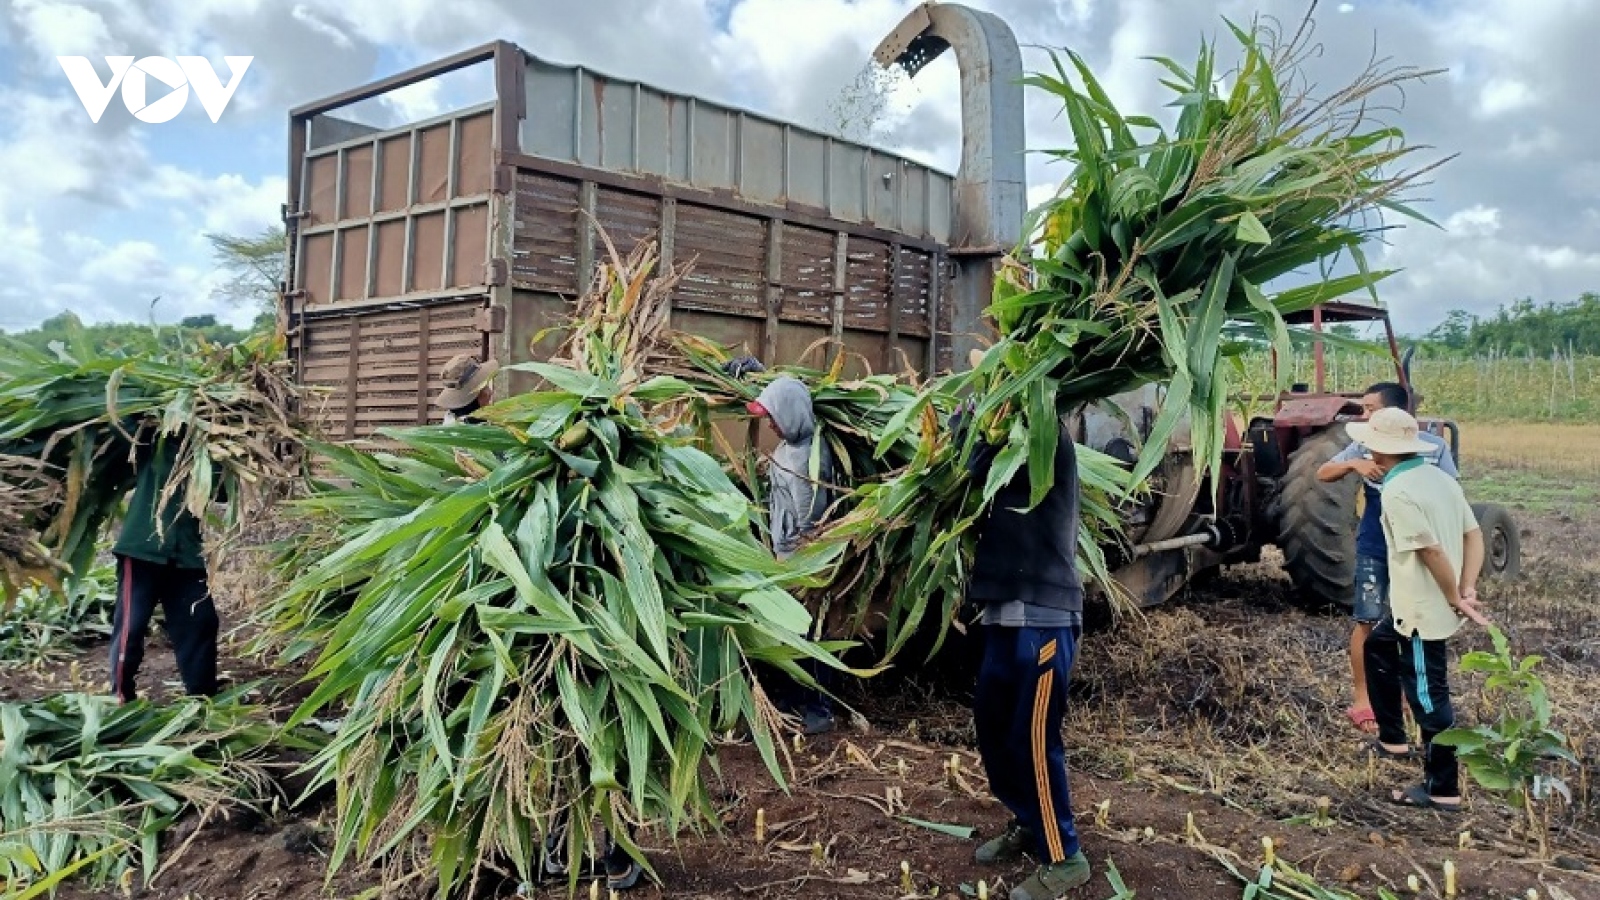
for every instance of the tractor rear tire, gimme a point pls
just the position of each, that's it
(1502, 542)
(1316, 524)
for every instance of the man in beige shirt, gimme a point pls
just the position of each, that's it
(1435, 554)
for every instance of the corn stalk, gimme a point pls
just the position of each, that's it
(86, 777)
(546, 617)
(26, 490)
(45, 624)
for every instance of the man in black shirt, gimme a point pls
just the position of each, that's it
(1025, 577)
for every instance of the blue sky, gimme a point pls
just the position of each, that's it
(99, 218)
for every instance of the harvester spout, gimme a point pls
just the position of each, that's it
(991, 190)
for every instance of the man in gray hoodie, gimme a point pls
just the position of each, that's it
(796, 501)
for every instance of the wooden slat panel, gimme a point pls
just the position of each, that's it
(314, 267)
(427, 252)
(357, 182)
(627, 218)
(807, 275)
(388, 349)
(472, 246)
(390, 264)
(353, 262)
(911, 291)
(322, 176)
(867, 281)
(433, 164)
(545, 239)
(729, 250)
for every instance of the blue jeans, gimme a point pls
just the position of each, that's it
(1017, 709)
(1371, 604)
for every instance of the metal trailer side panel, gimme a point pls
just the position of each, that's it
(579, 116)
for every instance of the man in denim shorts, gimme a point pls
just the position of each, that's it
(1371, 604)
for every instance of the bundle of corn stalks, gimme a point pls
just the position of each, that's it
(546, 617)
(89, 785)
(852, 413)
(1151, 260)
(84, 414)
(26, 490)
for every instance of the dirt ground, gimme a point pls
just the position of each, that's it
(1227, 706)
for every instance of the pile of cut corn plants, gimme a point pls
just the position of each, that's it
(546, 617)
(88, 785)
(84, 413)
(44, 625)
(1149, 265)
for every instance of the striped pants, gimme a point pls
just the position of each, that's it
(1017, 708)
(1420, 669)
(190, 619)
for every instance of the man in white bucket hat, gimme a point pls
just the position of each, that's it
(1435, 554)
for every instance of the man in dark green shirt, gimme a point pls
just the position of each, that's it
(162, 564)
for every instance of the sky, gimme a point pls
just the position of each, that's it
(103, 218)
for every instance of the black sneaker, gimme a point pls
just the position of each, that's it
(816, 721)
(623, 872)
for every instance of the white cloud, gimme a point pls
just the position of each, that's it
(416, 102)
(303, 13)
(1474, 221)
(60, 29)
(1501, 96)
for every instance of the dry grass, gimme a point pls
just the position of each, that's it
(1547, 449)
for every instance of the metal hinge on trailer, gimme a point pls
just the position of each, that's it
(491, 319)
(497, 273)
(291, 216)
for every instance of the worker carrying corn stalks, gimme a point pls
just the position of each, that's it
(797, 499)
(161, 561)
(1025, 579)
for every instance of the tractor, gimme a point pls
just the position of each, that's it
(1312, 522)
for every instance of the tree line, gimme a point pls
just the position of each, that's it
(1524, 327)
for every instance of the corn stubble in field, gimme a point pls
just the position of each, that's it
(547, 617)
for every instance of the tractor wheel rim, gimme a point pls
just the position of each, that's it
(1500, 550)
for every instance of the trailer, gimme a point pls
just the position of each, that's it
(475, 231)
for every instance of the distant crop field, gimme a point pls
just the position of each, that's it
(1484, 389)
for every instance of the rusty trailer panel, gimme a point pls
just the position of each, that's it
(377, 369)
(474, 231)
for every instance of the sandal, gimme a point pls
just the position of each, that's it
(1376, 748)
(1363, 719)
(1416, 797)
